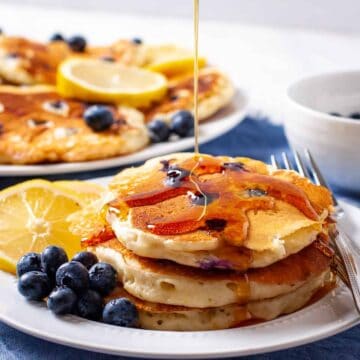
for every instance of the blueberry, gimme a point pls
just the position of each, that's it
(256, 192)
(73, 275)
(62, 301)
(102, 278)
(182, 123)
(34, 285)
(90, 305)
(77, 43)
(87, 258)
(137, 41)
(52, 258)
(334, 114)
(234, 166)
(107, 58)
(355, 115)
(99, 118)
(203, 199)
(1, 31)
(57, 37)
(29, 262)
(158, 131)
(121, 312)
(12, 55)
(165, 165)
(58, 104)
(216, 224)
(175, 176)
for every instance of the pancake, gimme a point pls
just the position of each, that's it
(155, 316)
(38, 126)
(126, 52)
(271, 233)
(166, 282)
(26, 62)
(215, 92)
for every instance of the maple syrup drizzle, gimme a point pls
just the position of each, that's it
(162, 205)
(102, 236)
(196, 108)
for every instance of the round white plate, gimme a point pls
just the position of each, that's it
(219, 124)
(330, 315)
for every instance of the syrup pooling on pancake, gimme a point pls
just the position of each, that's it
(231, 190)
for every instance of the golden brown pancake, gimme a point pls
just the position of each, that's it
(38, 126)
(166, 282)
(215, 92)
(23, 61)
(157, 316)
(255, 216)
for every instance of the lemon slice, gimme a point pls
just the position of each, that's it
(88, 191)
(34, 215)
(101, 81)
(171, 60)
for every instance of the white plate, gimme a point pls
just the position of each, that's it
(219, 124)
(330, 315)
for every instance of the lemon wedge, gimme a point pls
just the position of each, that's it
(101, 81)
(88, 191)
(34, 215)
(171, 60)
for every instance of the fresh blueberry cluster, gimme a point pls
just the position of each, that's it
(76, 43)
(74, 287)
(181, 124)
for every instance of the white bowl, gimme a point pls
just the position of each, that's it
(334, 141)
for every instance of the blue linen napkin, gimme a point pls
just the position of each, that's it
(254, 137)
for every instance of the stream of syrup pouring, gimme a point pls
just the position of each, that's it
(196, 75)
(196, 104)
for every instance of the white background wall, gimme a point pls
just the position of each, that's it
(335, 15)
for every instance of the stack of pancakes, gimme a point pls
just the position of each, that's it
(204, 242)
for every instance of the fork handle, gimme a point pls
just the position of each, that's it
(352, 264)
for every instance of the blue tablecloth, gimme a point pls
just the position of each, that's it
(255, 138)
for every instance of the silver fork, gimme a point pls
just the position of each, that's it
(344, 264)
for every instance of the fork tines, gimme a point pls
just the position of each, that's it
(339, 265)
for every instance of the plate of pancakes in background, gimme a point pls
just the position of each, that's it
(221, 257)
(44, 129)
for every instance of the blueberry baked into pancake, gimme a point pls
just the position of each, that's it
(39, 126)
(202, 242)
